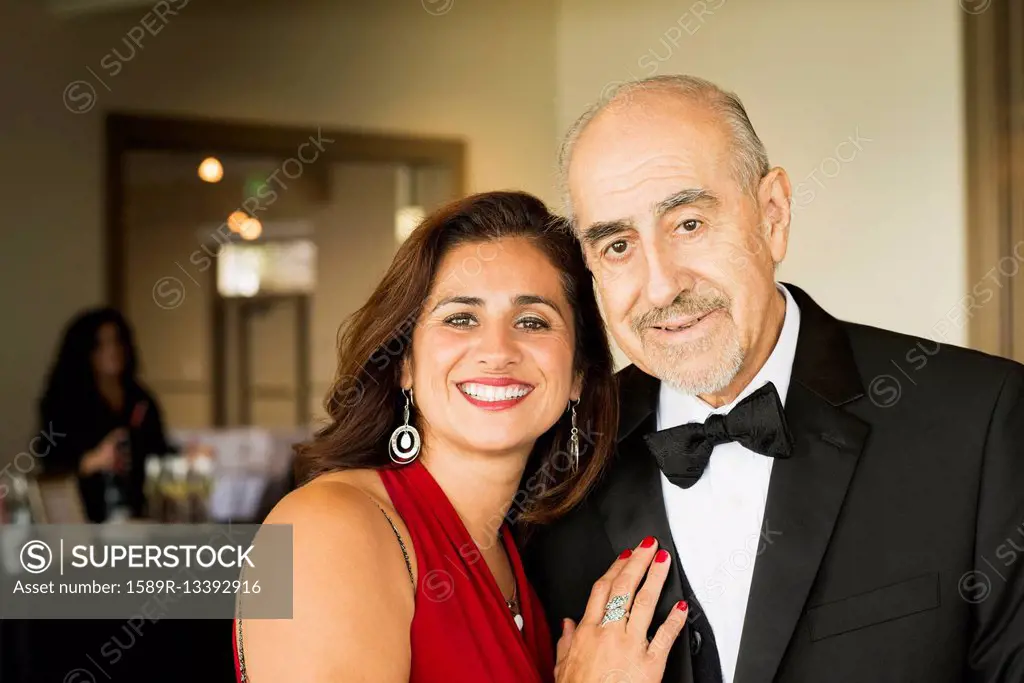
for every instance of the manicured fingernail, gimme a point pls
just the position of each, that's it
(625, 554)
(682, 606)
(565, 625)
(661, 556)
(647, 542)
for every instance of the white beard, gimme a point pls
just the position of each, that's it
(670, 364)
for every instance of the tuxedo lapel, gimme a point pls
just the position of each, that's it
(631, 504)
(806, 491)
(804, 498)
(632, 507)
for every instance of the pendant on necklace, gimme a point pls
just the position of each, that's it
(514, 608)
(517, 614)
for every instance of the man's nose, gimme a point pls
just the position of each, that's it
(665, 278)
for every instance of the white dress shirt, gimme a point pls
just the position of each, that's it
(716, 523)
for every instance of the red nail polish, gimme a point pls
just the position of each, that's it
(625, 554)
(661, 556)
(647, 542)
(682, 606)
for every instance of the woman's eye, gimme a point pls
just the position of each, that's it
(690, 225)
(533, 323)
(460, 320)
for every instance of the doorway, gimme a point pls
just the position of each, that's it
(267, 354)
(236, 286)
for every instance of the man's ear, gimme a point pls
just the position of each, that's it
(775, 197)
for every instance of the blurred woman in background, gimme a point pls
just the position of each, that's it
(107, 421)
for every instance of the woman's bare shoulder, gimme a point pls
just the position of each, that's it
(350, 589)
(332, 508)
(345, 509)
(325, 497)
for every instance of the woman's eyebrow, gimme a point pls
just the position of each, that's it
(519, 300)
(529, 299)
(465, 300)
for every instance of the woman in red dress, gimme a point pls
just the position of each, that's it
(475, 396)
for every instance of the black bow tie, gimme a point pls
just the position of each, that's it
(757, 422)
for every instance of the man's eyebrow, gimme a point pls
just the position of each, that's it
(466, 300)
(604, 229)
(685, 197)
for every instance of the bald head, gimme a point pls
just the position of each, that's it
(681, 96)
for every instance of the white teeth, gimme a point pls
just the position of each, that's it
(688, 325)
(491, 393)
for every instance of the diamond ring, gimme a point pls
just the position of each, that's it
(615, 610)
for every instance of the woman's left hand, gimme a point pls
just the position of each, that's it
(616, 651)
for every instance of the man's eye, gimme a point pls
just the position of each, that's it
(460, 320)
(617, 248)
(690, 224)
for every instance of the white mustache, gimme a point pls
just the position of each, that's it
(689, 307)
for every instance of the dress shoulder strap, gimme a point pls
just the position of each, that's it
(401, 541)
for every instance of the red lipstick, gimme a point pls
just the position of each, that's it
(494, 393)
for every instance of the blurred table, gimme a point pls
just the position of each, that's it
(251, 468)
(249, 464)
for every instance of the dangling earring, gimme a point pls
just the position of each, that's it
(574, 438)
(405, 441)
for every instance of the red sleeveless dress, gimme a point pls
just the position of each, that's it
(462, 630)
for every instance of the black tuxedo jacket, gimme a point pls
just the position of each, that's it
(892, 547)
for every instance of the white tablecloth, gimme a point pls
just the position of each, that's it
(246, 461)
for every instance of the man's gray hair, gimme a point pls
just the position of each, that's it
(750, 159)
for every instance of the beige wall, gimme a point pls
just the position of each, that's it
(480, 71)
(878, 232)
(50, 254)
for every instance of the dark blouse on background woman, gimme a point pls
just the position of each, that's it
(78, 425)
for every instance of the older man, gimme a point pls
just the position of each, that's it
(819, 533)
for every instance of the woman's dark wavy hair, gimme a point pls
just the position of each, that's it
(71, 377)
(365, 403)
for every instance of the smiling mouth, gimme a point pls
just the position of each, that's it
(490, 393)
(678, 326)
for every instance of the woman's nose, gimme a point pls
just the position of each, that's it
(497, 347)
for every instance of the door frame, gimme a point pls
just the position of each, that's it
(993, 42)
(301, 360)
